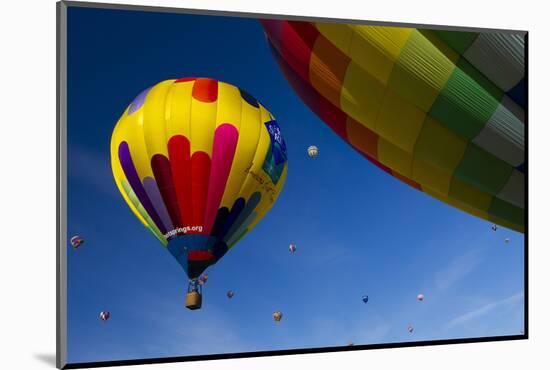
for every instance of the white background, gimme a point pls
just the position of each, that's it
(27, 196)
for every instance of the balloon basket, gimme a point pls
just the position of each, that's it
(193, 300)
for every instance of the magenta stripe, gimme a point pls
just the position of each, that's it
(223, 151)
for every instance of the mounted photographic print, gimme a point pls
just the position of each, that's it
(240, 185)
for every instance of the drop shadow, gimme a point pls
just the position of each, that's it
(47, 358)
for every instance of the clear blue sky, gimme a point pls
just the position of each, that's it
(357, 230)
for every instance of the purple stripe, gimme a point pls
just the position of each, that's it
(132, 176)
(154, 194)
(138, 101)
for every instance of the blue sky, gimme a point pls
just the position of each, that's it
(357, 230)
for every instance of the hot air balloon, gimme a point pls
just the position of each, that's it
(507, 240)
(230, 294)
(199, 162)
(410, 329)
(420, 297)
(104, 315)
(203, 278)
(494, 227)
(365, 298)
(350, 344)
(292, 248)
(277, 316)
(443, 111)
(312, 151)
(76, 241)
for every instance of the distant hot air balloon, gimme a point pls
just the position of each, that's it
(76, 241)
(230, 294)
(420, 297)
(365, 298)
(429, 107)
(313, 151)
(410, 329)
(494, 227)
(277, 316)
(350, 344)
(104, 315)
(199, 162)
(507, 240)
(292, 248)
(203, 278)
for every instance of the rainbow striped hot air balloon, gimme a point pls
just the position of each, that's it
(199, 162)
(442, 111)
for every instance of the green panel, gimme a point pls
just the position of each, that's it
(422, 71)
(501, 209)
(483, 170)
(464, 105)
(481, 79)
(460, 41)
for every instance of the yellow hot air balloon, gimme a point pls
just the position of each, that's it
(199, 162)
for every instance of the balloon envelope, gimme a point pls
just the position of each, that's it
(104, 315)
(277, 316)
(365, 298)
(76, 241)
(199, 162)
(313, 151)
(429, 107)
(203, 278)
(420, 297)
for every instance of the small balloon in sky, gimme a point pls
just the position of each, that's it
(77, 241)
(104, 315)
(350, 344)
(365, 298)
(410, 329)
(230, 294)
(420, 297)
(312, 151)
(494, 227)
(292, 248)
(203, 279)
(507, 240)
(277, 316)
